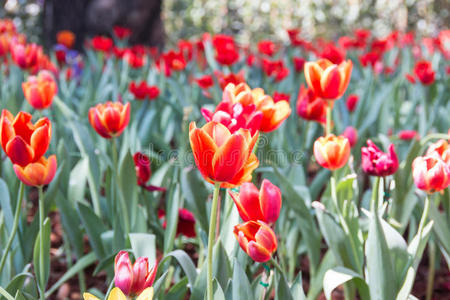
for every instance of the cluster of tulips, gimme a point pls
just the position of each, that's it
(160, 98)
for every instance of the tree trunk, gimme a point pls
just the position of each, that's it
(87, 18)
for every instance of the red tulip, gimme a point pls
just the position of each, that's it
(185, 225)
(226, 50)
(332, 53)
(39, 91)
(275, 69)
(424, 72)
(222, 156)
(267, 47)
(327, 80)
(277, 96)
(144, 172)
(377, 163)
(109, 119)
(431, 173)
(134, 60)
(299, 64)
(205, 81)
(407, 135)
(133, 279)
(37, 173)
(257, 239)
(310, 107)
(121, 32)
(351, 134)
(234, 78)
(25, 56)
(173, 61)
(332, 152)
(23, 141)
(352, 102)
(258, 205)
(139, 90)
(102, 43)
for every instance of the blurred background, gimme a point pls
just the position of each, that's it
(246, 19)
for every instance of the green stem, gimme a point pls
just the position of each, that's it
(211, 238)
(328, 124)
(121, 199)
(343, 221)
(431, 269)
(41, 242)
(423, 219)
(374, 200)
(276, 265)
(14, 228)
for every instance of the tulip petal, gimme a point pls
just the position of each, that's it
(6, 129)
(330, 82)
(88, 296)
(229, 158)
(147, 294)
(313, 73)
(116, 294)
(257, 252)
(39, 141)
(270, 201)
(19, 151)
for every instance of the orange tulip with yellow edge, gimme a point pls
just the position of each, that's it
(222, 156)
(274, 113)
(38, 173)
(109, 119)
(332, 152)
(40, 90)
(327, 80)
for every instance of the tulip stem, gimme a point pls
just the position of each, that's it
(14, 228)
(276, 265)
(374, 200)
(119, 195)
(211, 239)
(328, 124)
(41, 243)
(431, 269)
(423, 219)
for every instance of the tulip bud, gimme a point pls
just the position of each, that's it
(257, 239)
(39, 91)
(431, 173)
(258, 205)
(332, 152)
(133, 279)
(407, 135)
(352, 102)
(38, 173)
(109, 119)
(351, 134)
(377, 163)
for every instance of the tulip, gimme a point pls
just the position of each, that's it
(442, 149)
(134, 60)
(235, 116)
(25, 56)
(327, 80)
(185, 225)
(234, 78)
(37, 173)
(238, 93)
(332, 152)
(139, 90)
(117, 294)
(102, 43)
(39, 91)
(267, 47)
(275, 69)
(22, 141)
(144, 172)
(65, 38)
(407, 135)
(377, 163)
(424, 72)
(352, 102)
(257, 239)
(121, 32)
(258, 205)
(226, 50)
(274, 113)
(277, 96)
(221, 156)
(310, 107)
(299, 64)
(109, 119)
(205, 81)
(332, 53)
(431, 173)
(351, 134)
(133, 279)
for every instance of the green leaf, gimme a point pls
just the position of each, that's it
(441, 227)
(172, 207)
(79, 266)
(186, 264)
(128, 186)
(297, 291)
(143, 244)
(178, 290)
(282, 288)
(340, 275)
(217, 291)
(17, 283)
(5, 204)
(221, 265)
(382, 281)
(44, 269)
(317, 281)
(241, 289)
(77, 181)
(94, 228)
